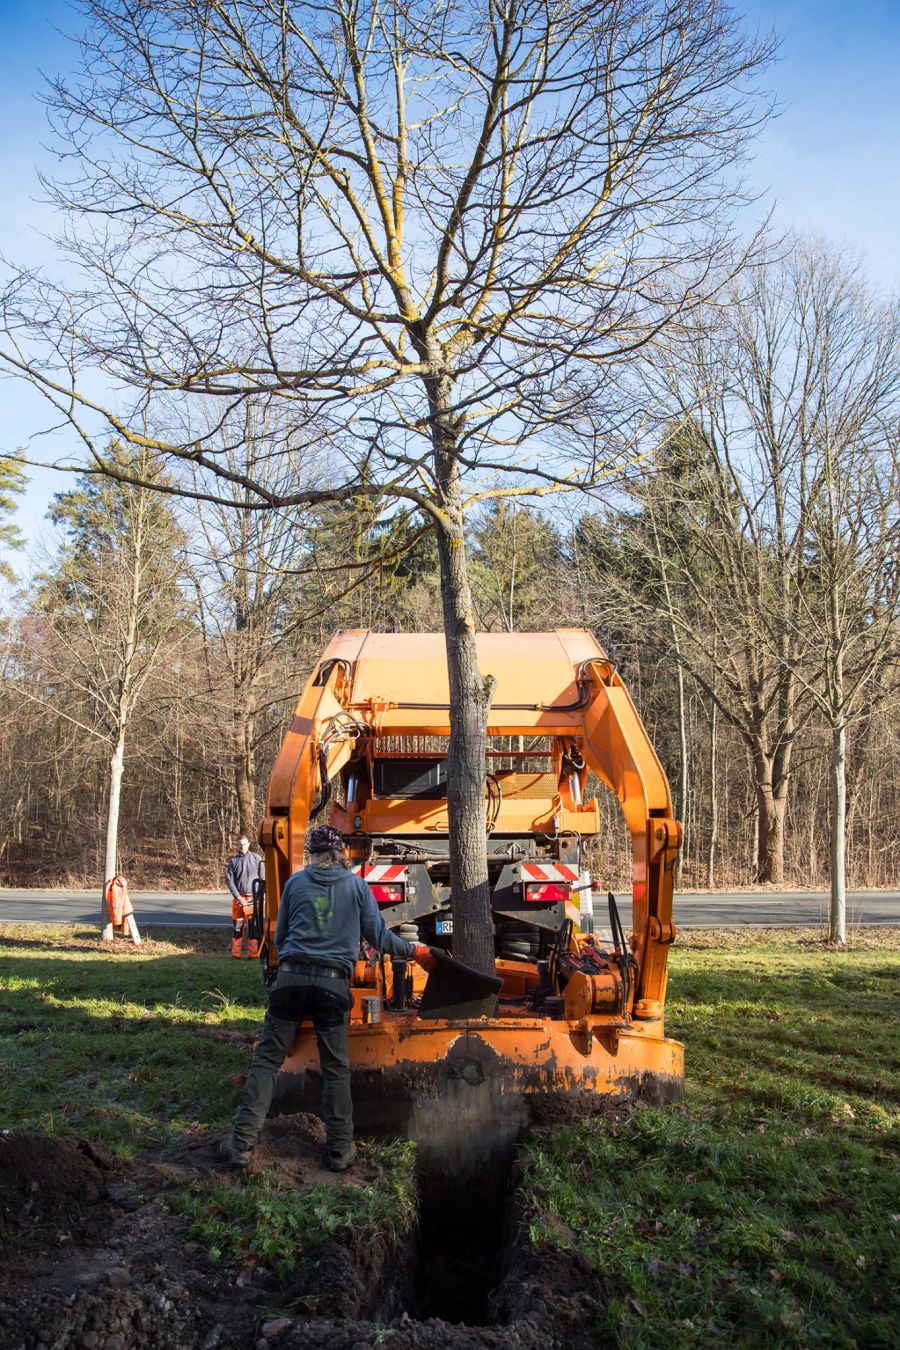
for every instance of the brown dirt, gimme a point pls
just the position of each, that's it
(292, 1150)
(94, 1258)
(43, 1178)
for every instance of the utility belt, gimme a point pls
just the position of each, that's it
(293, 965)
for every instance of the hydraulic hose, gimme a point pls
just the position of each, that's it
(623, 955)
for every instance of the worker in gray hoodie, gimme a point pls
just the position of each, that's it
(324, 909)
(240, 874)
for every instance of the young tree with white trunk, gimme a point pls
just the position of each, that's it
(110, 611)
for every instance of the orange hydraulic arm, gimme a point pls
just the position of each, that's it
(557, 685)
(618, 749)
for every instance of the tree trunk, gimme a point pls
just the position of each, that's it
(713, 796)
(838, 916)
(682, 776)
(244, 766)
(770, 806)
(110, 866)
(470, 696)
(473, 941)
(126, 674)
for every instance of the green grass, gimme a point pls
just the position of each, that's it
(764, 1208)
(283, 1228)
(133, 1047)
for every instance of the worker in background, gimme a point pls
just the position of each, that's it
(240, 874)
(323, 911)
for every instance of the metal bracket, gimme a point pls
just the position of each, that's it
(664, 933)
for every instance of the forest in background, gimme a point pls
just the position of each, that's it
(215, 703)
(743, 577)
(210, 716)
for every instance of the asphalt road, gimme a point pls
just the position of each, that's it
(785, 909)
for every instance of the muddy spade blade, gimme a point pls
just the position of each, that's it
(456, 991)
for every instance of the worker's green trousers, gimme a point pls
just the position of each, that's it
(291, 999)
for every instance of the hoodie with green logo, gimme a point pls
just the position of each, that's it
(323, 912)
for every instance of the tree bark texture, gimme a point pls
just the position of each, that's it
(470, 694)
(771, 803)
(683, 784)
(713, 794)
(245, 767)
(110, 865)
(469, 701)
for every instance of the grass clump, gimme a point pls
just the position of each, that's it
(276, 1225)
(763, 1208)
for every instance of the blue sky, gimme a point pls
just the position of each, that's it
(829, 161)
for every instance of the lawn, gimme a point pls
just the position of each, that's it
(133, 1046)
(762, 1209)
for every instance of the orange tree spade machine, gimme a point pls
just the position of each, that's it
(366, 751)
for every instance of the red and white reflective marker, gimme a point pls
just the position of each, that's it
(549, 872)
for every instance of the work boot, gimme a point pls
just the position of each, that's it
(234, 1154)
(339, 1162)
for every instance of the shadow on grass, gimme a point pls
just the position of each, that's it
(136, 1053)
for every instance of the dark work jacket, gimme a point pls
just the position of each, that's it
(323, 912)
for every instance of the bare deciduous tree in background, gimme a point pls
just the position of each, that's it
(763, 552)
(244, 566)
(850, 588)
(439, 229)
(110, 613)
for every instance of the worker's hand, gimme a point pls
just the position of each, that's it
(426, 959)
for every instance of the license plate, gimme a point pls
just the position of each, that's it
(444, 927)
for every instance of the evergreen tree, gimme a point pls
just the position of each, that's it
(12, 485)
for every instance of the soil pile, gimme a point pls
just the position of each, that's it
(48, 1179)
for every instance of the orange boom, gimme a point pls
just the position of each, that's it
(366, 751)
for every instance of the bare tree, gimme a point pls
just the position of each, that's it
(850, 591)
(246, 567)
(109, 611)
(856, 538)
(437, 229)
(763, 549)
